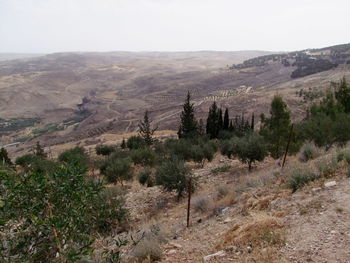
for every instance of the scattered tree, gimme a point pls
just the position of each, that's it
(145, 130)
(4, 158)
(188, 126)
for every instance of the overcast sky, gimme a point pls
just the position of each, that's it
(45, 26)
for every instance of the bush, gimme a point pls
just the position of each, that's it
(300, 176)
(148, 247)
(135, 142)
(308, 152)
(33, 163)
(75, 155)
(201, 204)
(222, 191)
(118, 170)
(105, 149)
(144, 156)
(344, 155)
(172, 174)
(53, 217)
(221, 169)
(146, 177)
(326, 165)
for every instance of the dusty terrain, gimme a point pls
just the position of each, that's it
(257, 220)
(73, 97)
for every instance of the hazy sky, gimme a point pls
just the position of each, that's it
(44, 26)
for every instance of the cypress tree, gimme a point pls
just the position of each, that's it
(39, 151)
(123, 144)
(212, 127)
(220, 120)
(226, 120)
(252, 123)
(188, 127)
(275, 129)
(4, 158)
(145, 130)
(343, 95)
(201, 129)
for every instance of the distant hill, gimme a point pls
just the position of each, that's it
(70, 97)
(12, 56)
(307, 62)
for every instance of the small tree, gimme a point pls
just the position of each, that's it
(213, 121)
(118, 170)
(226, 123)
(188, 126)
(251, 148)
(275, 129)
(4, 158)
(172, 174)
(145, 130)
(343, 95)
(39, 151)
(123, 144)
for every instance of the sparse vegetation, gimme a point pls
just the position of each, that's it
(300, 176)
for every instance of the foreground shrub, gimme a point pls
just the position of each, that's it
(300, 176)
(221, 169)
(34, 163)
(53, 217)
(148, 248)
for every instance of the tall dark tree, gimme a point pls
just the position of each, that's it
(123, 144)
(39, 150)
(145, 130)
(201, 128)
(220, 120)
(213, 121)
(252, 124)
(275, 129)
(188, 127)
(343, 95)
(226, 120)
(4, 158)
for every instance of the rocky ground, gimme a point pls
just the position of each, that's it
(256, 220)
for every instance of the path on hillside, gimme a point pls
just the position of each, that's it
(319, 225)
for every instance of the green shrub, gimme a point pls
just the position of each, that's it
(135, 142)
(34, 163)
(144, 156)
(118, 170)
(146, 177)
(105, 149)
(326, 165)
(53, 217)
(76, 155)
(221, 169)
(308, 152)
(344, 155)
(300, 176)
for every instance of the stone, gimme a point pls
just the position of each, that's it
(227, 220)
(330, 184)
(218, 254)
(175, 245)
